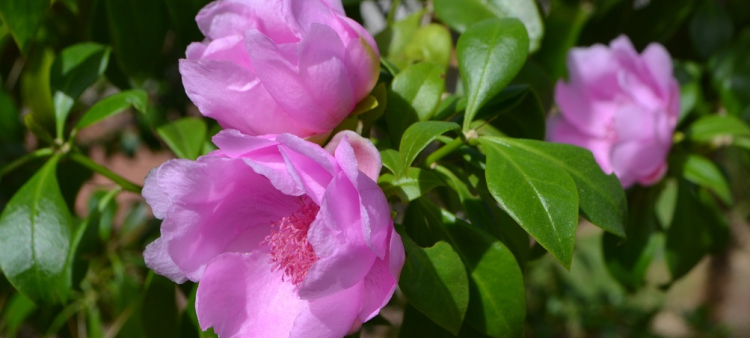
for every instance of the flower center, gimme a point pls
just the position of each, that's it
(290, 250)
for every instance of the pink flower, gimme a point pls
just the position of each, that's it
(286, 238)
(620, 105)
(282, 66)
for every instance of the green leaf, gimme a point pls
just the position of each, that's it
(159, 308)
(414, 96)
(417, 325)
(705, 173)
(601, 197)
(380, 93)
(490, 54)
(628, 259)
(393, 40)
(23, 18)
(184, 136)
(540, 195)
(497, 305)
(11, 128)
(392, 160)
(35, 234)
(75, 69)
(525, 119)
(484, 213)
(35, 86)
(15, 313)
(461, 15)
(138, 30)
(114, 104)
(708, 128)
(697, 229)
(418, 136)
(411, 186)
(434, 281)
(431, 43)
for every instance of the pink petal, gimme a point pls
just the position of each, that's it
(224, 91)
(594, 70)
(329, 317)
(158, 259)
(233, 17)
(381, 281)
(659, 64)
(240, 296)
(154, 196)
(592, 116)
(634, 160)
(215, 202)
(338, 240)
(310, 165)
(367, 156)
(230, 48)
(316, 92)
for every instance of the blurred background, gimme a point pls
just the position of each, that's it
(118, 297)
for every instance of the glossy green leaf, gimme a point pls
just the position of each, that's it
(415, 183)
(184, 136)
(705, 173)
(114, 104)
(75, 69)
(697, 229)
(708, 128)
(490, 54)
(392, 160)
(461, 15)
(35, 234)
(434, 280)
(419, 135)
(414, 96)
(484, 213)
(601, 197)
(525, 119)
(23, 18)
(497, 305)
(539, 194)
(628, 259)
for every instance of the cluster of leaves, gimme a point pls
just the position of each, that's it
(458, 115)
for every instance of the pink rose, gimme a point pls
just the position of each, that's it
(285, 66)
(286, 238)
(620, 105)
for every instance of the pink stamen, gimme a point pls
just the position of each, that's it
(290, 250)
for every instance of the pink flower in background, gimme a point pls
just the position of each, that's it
(283, 66)
(620, 105)
(286, 238)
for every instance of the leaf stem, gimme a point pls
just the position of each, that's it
(392, 11)
(121, 181)
(444, 151)
(36, 154)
